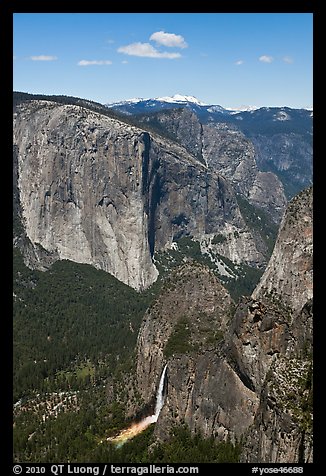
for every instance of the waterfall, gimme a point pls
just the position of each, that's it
(160, 395)
(137, 428)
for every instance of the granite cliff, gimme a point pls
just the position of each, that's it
(223, 147)
(289, 272)
(74, 201)
(94, 189)
(244, 373)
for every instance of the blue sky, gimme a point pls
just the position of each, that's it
(235, 59)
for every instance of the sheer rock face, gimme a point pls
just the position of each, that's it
(80, 179)
(283, 424)
(223, 148)
(289, 272)
(96, 190)
(271, 341)
(244, 373)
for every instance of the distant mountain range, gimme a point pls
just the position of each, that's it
(203, 110)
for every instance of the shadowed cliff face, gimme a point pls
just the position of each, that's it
(244, 373)
(95, 190)
(223, 148)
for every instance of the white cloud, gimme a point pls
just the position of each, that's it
(43, 58)
(124, 62)
(239, 62)
(146, 50)
(168, 39)
(92, 62)
(288, 59)
(266, 59)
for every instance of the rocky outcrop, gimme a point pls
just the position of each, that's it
(282, 430)
(271, 344)
(186, 329)
(35, 256)
(192, 295)
(95, 190)
(289, 272)
(239, 374)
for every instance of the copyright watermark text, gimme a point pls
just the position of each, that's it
(280, 469)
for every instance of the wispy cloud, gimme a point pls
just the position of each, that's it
(239, 62)
(170, 40)
(146, 50)
(288, 59)
(93, 62)
(266, 59)
(43, 58)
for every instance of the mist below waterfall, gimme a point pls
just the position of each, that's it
(137, 428)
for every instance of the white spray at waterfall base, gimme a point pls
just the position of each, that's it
(137, 428)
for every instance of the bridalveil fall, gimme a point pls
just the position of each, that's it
(137, 428)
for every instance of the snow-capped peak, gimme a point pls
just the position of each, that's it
(236, 110)
(126, 101)
(179, 98)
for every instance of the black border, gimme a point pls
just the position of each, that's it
(7, 9)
